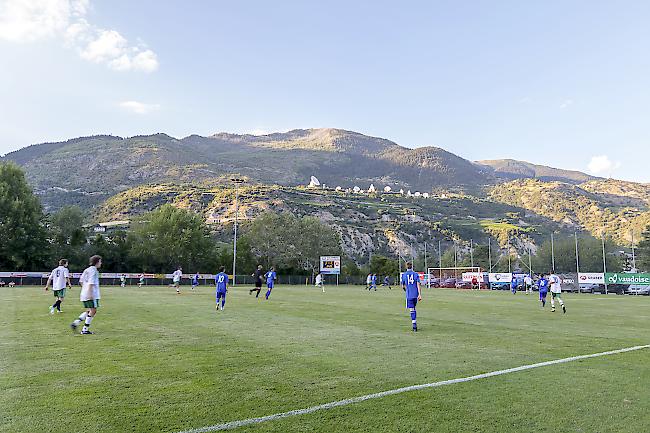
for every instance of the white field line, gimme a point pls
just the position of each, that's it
(333, 404)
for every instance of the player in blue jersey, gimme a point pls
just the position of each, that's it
(542, 285)
(221, 281)
(373, 282)
(195, 280)
(270, 281)
(513, 286)
(411, 285)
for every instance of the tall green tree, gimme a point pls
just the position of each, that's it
(643, 251)
(590, 254)
(23, 244)
(115, 250)
(316, 239)
(168, 237)
(68, 236)
(273, 239)
(382, 265)
(291, 243)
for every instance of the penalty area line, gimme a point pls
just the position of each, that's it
(244, 422)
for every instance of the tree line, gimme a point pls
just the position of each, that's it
(167, 237)
(156, 242)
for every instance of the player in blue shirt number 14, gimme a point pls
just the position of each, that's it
(221, 281)
(411, 285)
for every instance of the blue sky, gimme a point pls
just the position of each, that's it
(562, 83)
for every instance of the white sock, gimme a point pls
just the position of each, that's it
(87, 323)
(81, 318)
(552, 303)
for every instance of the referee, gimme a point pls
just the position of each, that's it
(259, 276)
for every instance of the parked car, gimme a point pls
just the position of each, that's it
(637, 289)
(463, 284)
(449, 283)
(590, 288)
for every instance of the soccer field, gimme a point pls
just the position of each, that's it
(170, 363)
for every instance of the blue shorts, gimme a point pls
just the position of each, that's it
(542, 294)
(411, 303)
(221, 294)
(269, 285)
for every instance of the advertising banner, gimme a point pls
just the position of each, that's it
(623, 278)
(469, 276)
(500, 277)
(591, 278)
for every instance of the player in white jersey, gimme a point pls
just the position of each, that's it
(60, 279)
(556, 291)
(319, 282)
(176, 277)
(89, 295)
(528, 282)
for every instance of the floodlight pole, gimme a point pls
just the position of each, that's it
(490, 253)
(236, 181)
(604, 261)
(399, 260)
(577, 259)
(471, 251)
(509, 265)
(552, 254)
(455, 259)
(633, 256)
(426, 266)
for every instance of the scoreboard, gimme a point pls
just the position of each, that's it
(330, 265)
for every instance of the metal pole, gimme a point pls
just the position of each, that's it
(509, 265)
(490, 253)
(455, 259)
(471, 251)
(604, 262)
(426, 265)
(577, 256)
(552, 254)
(399, 259)
(234, 250)
(530, 263)
(439, 258)
(633, 256)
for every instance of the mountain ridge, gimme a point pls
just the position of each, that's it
(112, 176)
(515, 169)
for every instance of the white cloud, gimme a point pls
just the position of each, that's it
(108, 46)
(139, 107)
(31, 20)
(566, 104)
(601, 164)
(146, 61)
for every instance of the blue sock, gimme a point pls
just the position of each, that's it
(413, 316)
(268, 292)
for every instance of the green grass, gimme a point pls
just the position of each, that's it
(162, 362)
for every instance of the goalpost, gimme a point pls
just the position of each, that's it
(440, 276)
